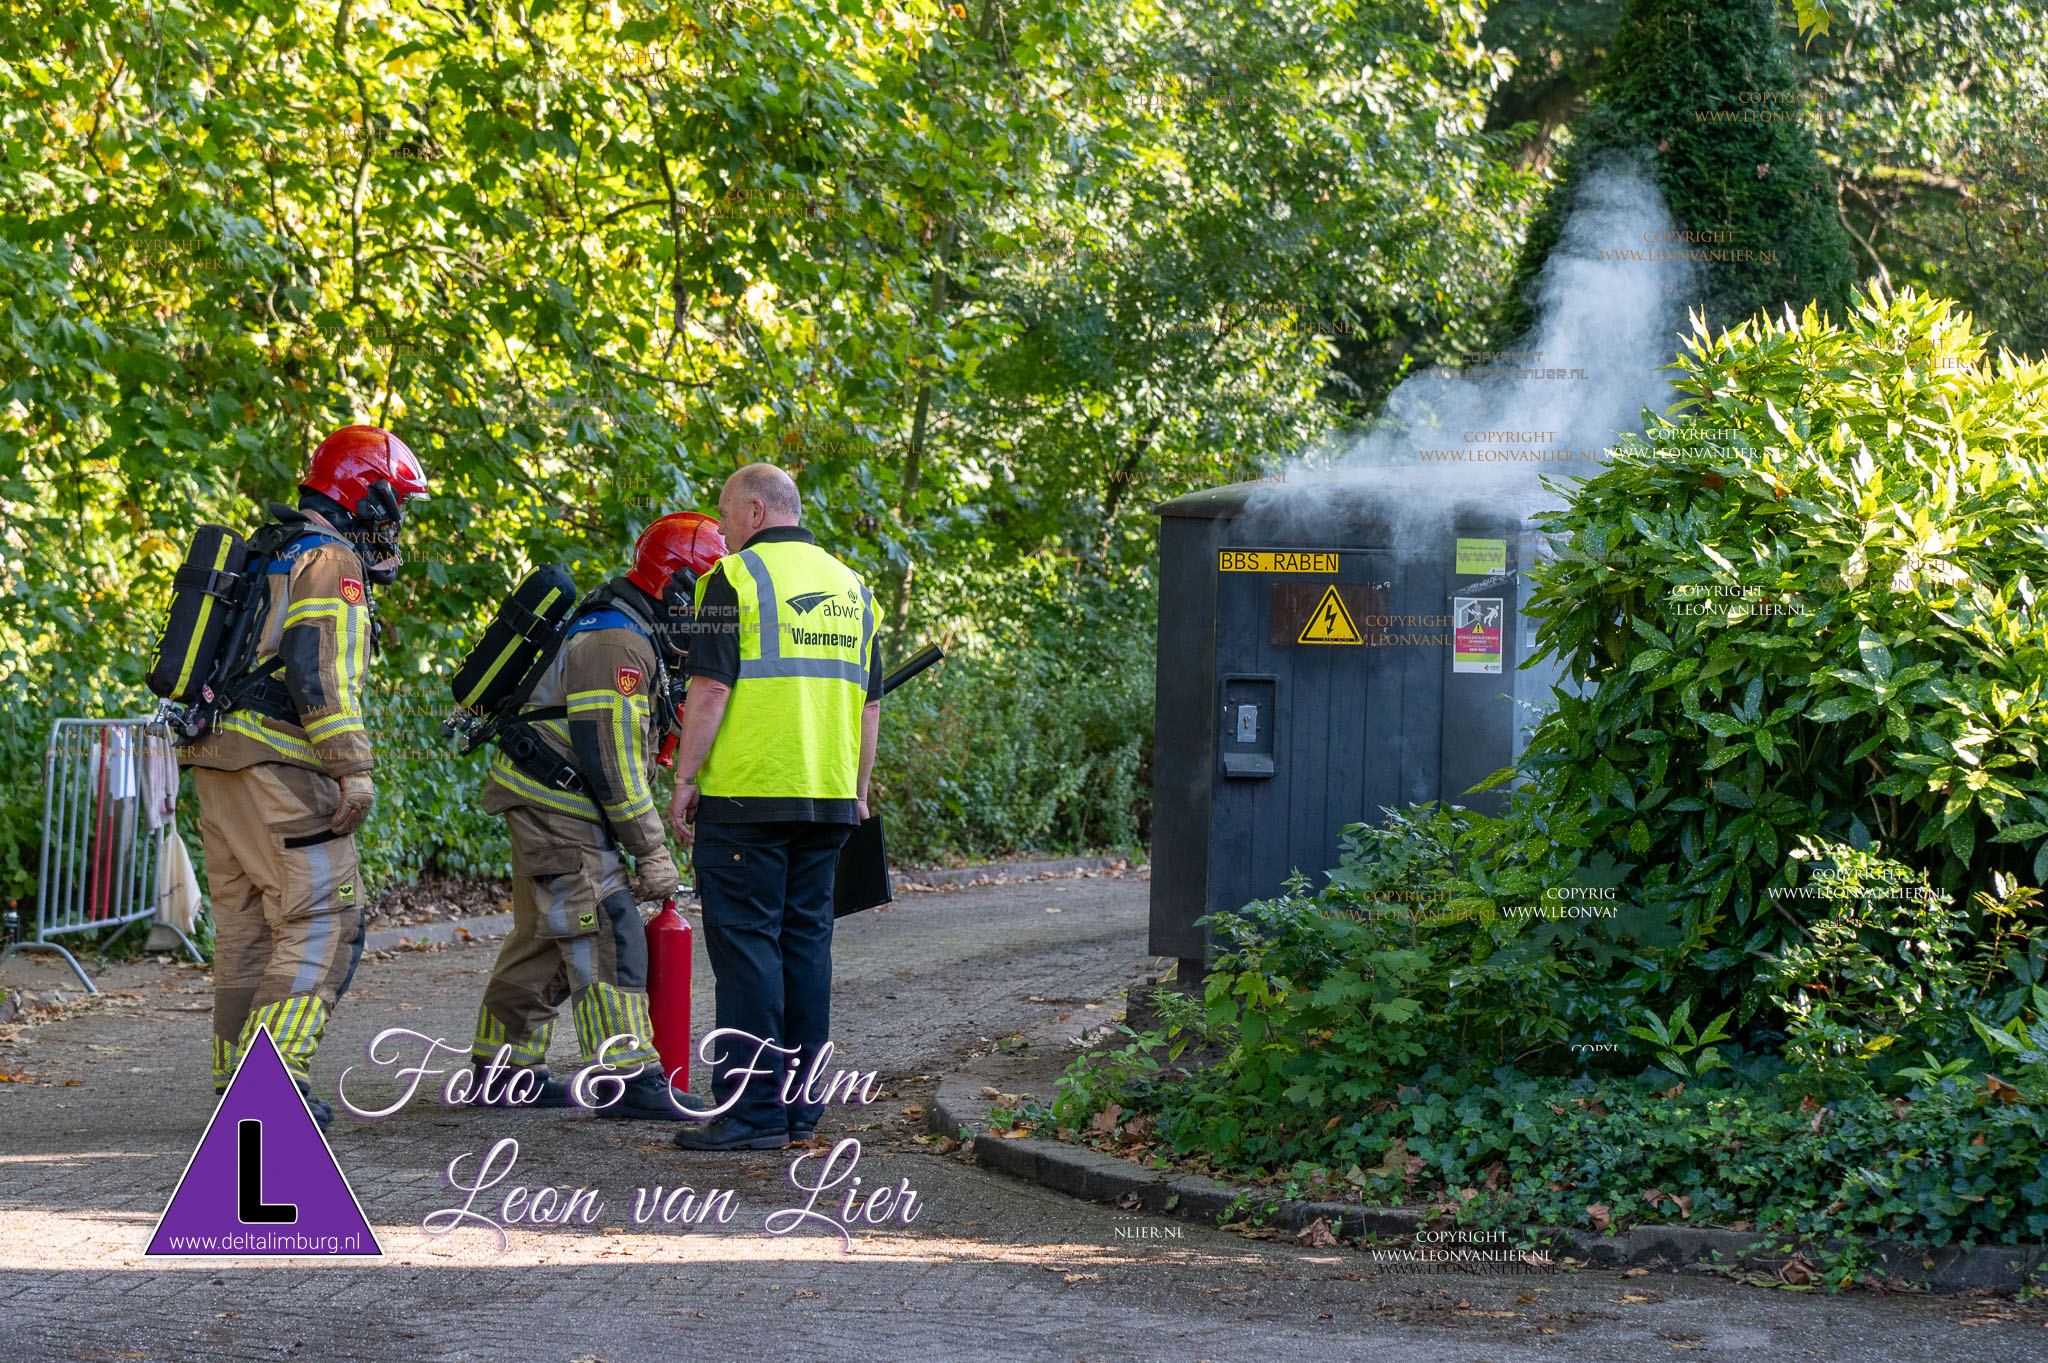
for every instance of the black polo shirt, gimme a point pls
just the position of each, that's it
(715, 654)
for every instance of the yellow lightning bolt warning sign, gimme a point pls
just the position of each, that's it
(1331, 623)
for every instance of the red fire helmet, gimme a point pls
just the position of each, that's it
(351, 463)
(682, 539)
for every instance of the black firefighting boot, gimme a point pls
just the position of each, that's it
(646, 1098)
(322, 1110)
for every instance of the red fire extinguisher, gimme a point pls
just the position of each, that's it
(667, 756)
(668, 991)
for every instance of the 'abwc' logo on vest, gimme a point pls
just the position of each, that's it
(262, 1180)
(803, 603)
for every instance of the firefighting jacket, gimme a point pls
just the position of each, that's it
(608, 679)
(317, 622)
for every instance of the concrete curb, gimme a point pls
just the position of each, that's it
(440, 930)
(986, 873)
(1098, 1177)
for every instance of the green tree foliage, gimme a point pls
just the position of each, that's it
(1929, 116)
(986, 277)
(1560, 47)
(1753, 190)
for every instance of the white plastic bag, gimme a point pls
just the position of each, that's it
(177, 885)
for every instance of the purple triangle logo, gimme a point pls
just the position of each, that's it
(262, 1180)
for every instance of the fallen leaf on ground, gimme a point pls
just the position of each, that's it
(1104, 1122)
(1599, 1214)
(1317, 1234)
(1637, 1273)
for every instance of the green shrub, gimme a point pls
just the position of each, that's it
(429, 814)
(1892, 963)
(1034, 735)
(1403, 1025)
(1809, 616)
(1952, 1164)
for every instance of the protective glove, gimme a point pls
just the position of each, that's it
(357, 795)
(657, 877)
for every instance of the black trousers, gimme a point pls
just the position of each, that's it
(767, 892)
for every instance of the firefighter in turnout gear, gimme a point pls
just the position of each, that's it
(283, 773)
(573, 801)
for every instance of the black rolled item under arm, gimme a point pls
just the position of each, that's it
(934, 654)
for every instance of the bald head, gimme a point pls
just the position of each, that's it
(755, 498)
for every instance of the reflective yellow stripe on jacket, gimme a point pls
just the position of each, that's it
(619, 719)
(249, 724)
(351, 661)
(503, 771)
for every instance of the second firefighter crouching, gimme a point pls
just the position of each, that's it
(570, 810)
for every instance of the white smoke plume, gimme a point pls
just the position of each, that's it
(1610, 305)
(1607, 325)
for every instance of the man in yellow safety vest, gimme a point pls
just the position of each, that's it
(778, 742)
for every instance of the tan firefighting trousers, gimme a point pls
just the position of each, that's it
(287, 909)
(577, 936)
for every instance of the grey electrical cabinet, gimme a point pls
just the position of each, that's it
(1324, 654)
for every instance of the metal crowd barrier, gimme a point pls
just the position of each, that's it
(99, 858)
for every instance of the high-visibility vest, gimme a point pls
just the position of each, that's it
(806, 633)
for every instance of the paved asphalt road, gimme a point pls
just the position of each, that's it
(990, 1269)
